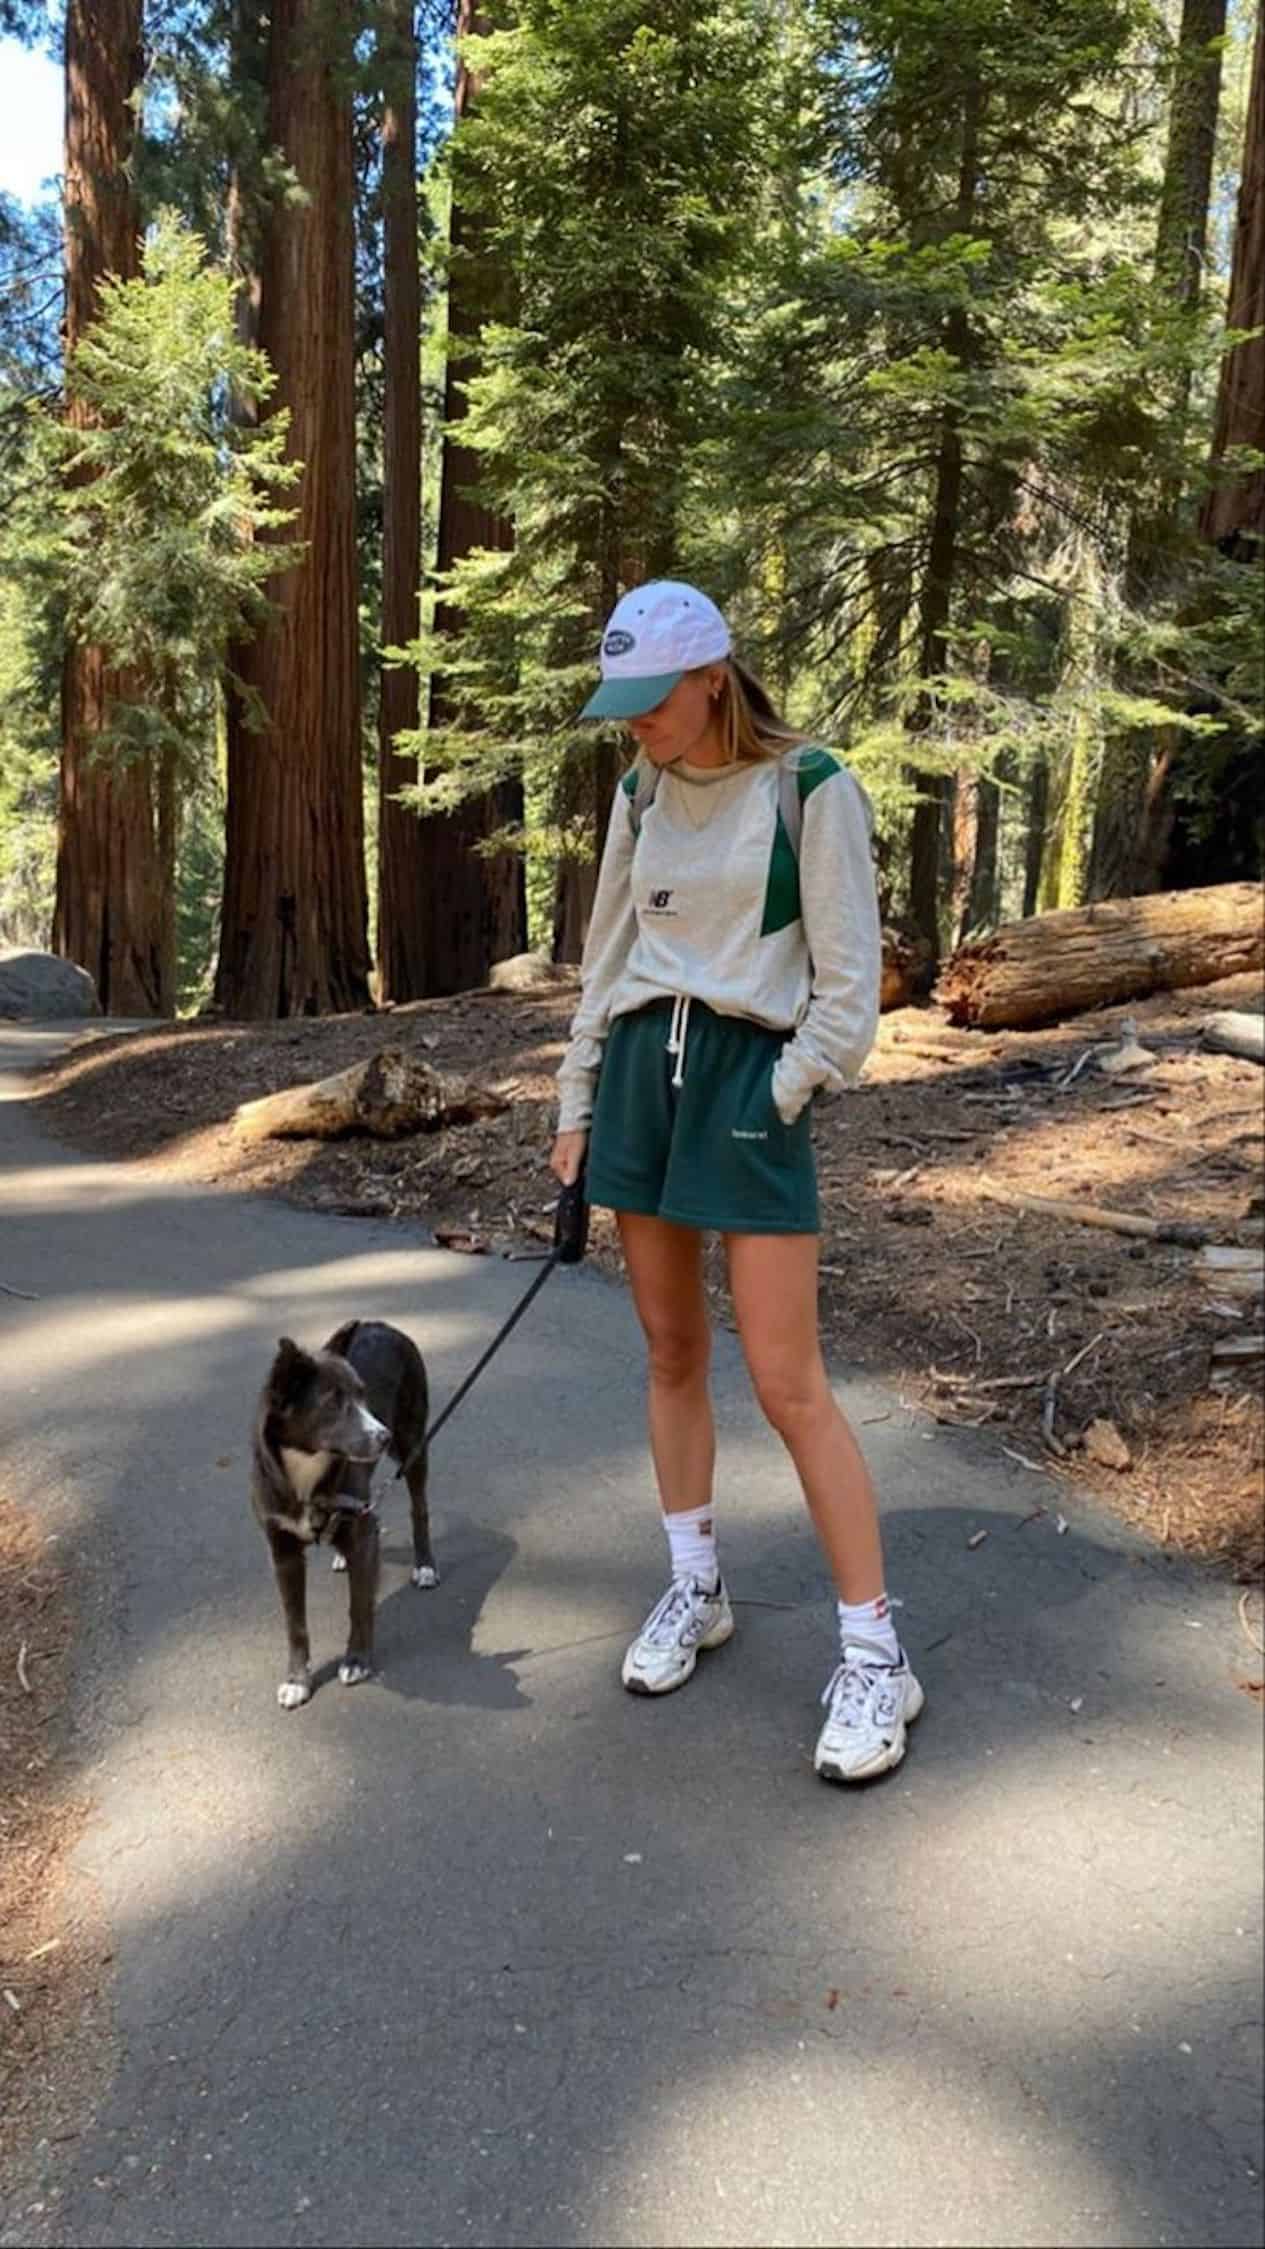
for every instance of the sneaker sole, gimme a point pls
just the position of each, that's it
(716, 1638)
(884, 1760)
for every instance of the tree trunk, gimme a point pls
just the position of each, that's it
(113, 888)
(475, 907)
(964, 841)
(984, 901)
(585, 795)
(1235, 510)
(402, 870)
(936, 600)
(293, 934)
(1123, 842)
(1034, 833)
(244, 220)
(1054, 965)
(1182, 231)
(587, 784)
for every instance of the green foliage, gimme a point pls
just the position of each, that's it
(28, 774)
(155, 519)
(609, 159)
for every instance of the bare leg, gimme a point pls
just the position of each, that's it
(665, 1267)
(773, 1278)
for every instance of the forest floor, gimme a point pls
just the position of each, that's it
(1086, 1353)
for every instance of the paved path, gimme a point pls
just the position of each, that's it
(491, 1952)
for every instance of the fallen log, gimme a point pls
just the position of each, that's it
(391, 1094)
(1087, 1214)
(1235, 1031)
(1054, 965)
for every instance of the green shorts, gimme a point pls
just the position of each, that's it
(712, 1152)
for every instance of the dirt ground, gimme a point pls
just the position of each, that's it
(52, 1956)
(1026, 1325)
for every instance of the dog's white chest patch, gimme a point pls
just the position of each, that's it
(304, 1471)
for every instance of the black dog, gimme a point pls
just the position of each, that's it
(325, 1419)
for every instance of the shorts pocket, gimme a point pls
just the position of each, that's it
(757, 1119)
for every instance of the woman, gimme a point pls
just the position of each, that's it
(729, 976)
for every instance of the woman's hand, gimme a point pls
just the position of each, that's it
(567, 1155)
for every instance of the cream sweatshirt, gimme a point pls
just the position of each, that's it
(708, 902)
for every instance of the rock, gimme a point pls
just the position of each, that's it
(525, 972)
(37, 985)
(1126, 1055)
(1104, 1443)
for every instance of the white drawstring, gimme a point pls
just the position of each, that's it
(676, 1035)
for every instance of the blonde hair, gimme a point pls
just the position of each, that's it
(753, 729)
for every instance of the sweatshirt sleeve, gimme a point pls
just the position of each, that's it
(611, 931)
(839, 903)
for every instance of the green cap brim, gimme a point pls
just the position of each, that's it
(630, 698)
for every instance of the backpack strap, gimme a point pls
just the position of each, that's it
(644, 779)
(790, 803)
(794, 783)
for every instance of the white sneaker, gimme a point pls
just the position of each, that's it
(665, 1651)
(871, 1701)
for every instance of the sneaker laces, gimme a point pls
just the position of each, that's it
(856, 1692)
(682, 1599)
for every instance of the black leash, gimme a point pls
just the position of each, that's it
(570, 1239)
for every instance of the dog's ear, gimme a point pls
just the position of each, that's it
(291, 1372)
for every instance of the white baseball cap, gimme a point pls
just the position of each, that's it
(653, 637)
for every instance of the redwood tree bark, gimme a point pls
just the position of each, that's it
(402, 859)
(1237, 509)
(475, 908)
(292, 938)
(112, 909)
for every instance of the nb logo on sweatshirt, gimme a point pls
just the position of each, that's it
(659, 902)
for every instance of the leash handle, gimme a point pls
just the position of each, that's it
(571, 1221)
(570, 1238)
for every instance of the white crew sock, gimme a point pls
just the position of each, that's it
(692, 1546)
(871, 1623)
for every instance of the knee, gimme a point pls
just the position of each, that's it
(678, 1358)
(792, 1399)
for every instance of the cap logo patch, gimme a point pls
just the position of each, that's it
(618, 644)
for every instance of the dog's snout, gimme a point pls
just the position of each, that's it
(376, 1434)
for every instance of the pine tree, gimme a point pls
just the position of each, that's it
(1136, 763)
(966, 147)
(149, 552)
(609, 153)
